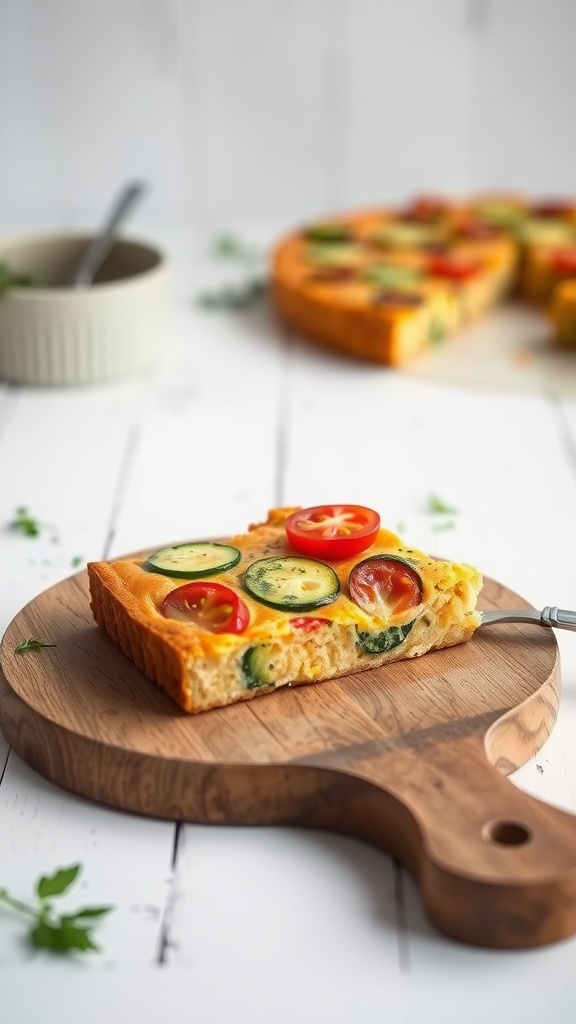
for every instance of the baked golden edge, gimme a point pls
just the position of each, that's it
(116, 611)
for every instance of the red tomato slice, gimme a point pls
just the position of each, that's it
(553, 208)
(564, 261)
(452, 267)
(308, 623)
(477, 229)
(333, 531)
(426, 208)
(211, 606)
(385, 585)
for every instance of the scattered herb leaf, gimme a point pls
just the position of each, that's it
(25, 523)
(76, 561)
(13, 279)
(31, 645)
(29, 526)
(449, 524)
(56, 884)
(58, 933)
(439, 507)
(229, 247)
(236, 296)
(233, 297)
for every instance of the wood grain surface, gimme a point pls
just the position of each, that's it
(411, 757)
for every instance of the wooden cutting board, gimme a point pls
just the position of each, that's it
(411, 757)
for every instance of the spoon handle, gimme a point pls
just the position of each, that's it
(102, 243)
(560, 618)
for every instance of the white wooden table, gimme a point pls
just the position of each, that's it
(271, 925)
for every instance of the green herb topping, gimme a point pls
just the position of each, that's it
(31, 645)
(64, 933)
(233, 297)
(29, 526)
(439, 507)
(25, 523)
(13, 279)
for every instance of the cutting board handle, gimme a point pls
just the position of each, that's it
(496, 867)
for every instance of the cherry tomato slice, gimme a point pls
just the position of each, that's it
(453, 268)
(211, 606)
(308, 623)
(477, 229)
(425, 208)
(564, 261)
(553, 208)
(385, 585)
(333, 531)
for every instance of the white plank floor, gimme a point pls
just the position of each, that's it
(271, 925)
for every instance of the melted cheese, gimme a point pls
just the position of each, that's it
(148, 589)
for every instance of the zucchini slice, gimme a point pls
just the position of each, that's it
(193, 561)
(257, 667)
(379, 641)
(292, 583)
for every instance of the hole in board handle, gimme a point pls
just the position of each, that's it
(507, 833)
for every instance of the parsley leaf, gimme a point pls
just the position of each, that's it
(236, 296)
(233, 297)
(13, 279)
(31, 645)
(439, 507)
(448, 525)
(229, 247)
(60, 938)
(54, 885)
(29, 526)
(59, 934)
(25, 523)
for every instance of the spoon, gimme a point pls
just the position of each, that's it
(101, 244)
(558, 617)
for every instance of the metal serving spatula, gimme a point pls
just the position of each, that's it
(559, 618)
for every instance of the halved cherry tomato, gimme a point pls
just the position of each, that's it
(564, 261)
(425, 208)
(333, 275)
(385, 585)
(309, 623)
(211, 606)
(553, 208)
(333, 531)
(454, 268)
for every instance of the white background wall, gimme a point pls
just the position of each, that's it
(260, 110)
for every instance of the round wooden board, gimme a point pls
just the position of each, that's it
(398, 755)
(80, 711)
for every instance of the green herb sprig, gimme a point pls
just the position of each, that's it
(13, 279)
(230, 297)
(32, 644)
(437, 506)
(29, 526)
(230, 247)
(443, 512)
(236, 297)
(24, 523)
(58, 933)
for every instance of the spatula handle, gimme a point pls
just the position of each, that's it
(559, 618)
(496, 867)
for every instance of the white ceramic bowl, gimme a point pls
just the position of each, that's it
(57, 335)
